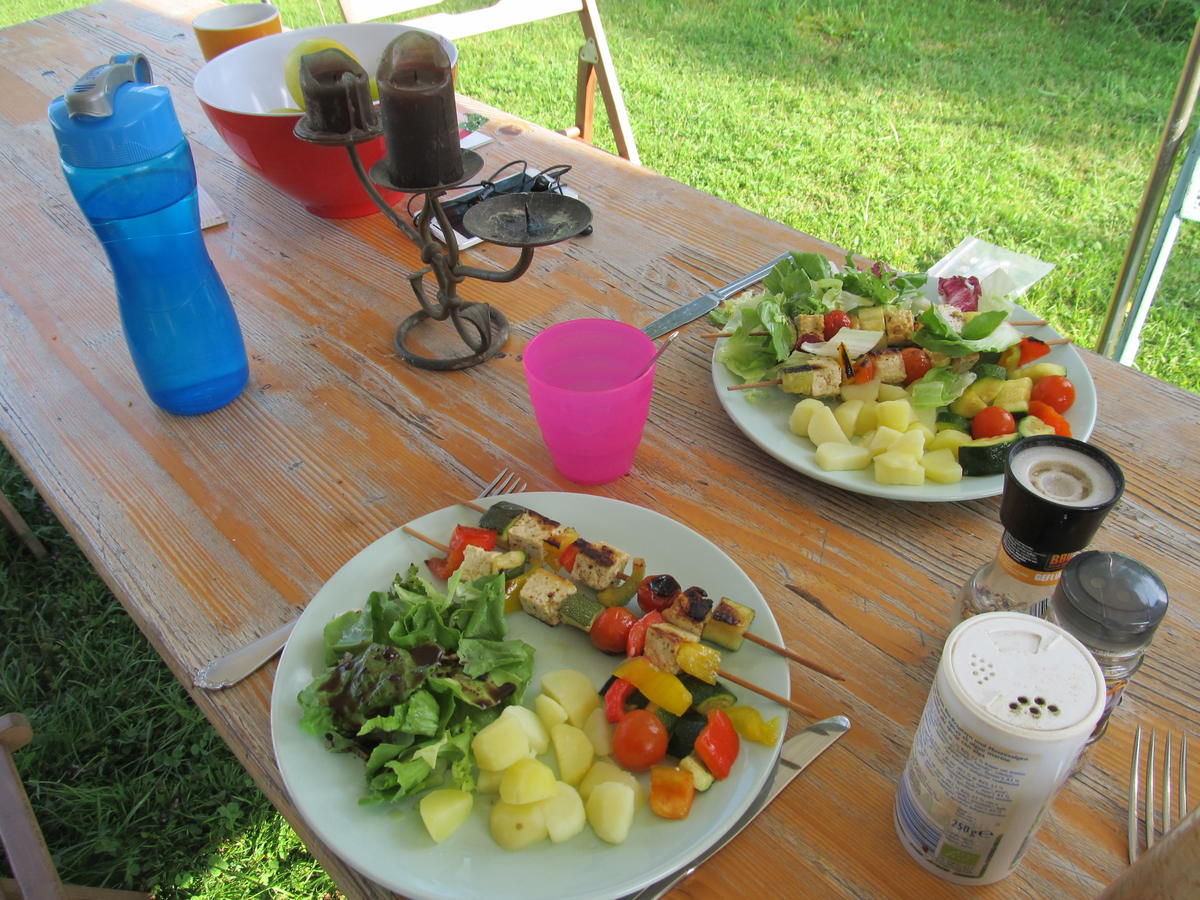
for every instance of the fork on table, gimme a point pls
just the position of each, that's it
(231, 668)
(1173, 786)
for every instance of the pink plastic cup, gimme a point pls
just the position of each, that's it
(590, 391)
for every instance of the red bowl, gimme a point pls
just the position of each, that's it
(238, 90)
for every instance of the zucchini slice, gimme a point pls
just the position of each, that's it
(985, 456)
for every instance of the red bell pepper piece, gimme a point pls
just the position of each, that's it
(717, 744)
(463, 536)
(566, 559)
(636, 642)
(615, 698)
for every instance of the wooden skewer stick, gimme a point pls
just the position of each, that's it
(753, 384)
(1031, 323)
(1055, 341)
(421, 537)
(796, 657)
(770, 695)
(717, 335)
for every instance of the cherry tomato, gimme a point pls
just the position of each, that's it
(835, 321)
(1050, 416)
(657, 592)
(639, 740)
(992, 421)
(916, 363)
(1056, 391)
(864, 370)
(610, 630)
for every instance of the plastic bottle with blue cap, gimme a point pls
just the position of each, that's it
(130, 169)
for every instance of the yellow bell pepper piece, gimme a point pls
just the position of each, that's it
(749, 723)
(656, 685)
(512, 593)
(699, 660)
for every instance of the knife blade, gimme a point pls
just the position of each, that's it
(694, 309)
(231, 668)
(797, 753)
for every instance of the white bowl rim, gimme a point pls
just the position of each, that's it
(215, 79)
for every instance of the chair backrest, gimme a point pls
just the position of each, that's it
(595, 66)
(28, 857)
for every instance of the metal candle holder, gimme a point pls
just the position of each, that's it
(339, 112)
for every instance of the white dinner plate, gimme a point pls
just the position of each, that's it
(762, 415)
(390, 845)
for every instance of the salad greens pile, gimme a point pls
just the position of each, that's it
(411, 678)
(802, 283)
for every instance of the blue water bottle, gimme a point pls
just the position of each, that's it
(131, 171)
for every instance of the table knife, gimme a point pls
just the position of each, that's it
(797, 753)
(233, 667)
(694, 309)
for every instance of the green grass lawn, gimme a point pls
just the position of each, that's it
(893, 129)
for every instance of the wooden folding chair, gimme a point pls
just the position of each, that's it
(595, 67)
(21, 528)
(28, 858)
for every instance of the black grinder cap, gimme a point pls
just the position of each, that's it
(1043, 524)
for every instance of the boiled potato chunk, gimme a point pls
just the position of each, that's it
(911, 443)
(487, 782)
(882, 440)
(892, 392)
(527, 780)
(539, 737)
(898, 468)
(564, 813)
(574, 692)
(868, 418)
(500, 744)
(865, 392)
(895, 414)
(950, 439)
(517, 826)
(835, 457)
(599, 731)
(823, 427)
(603, 771)
(550, 711)
(802, 414)
(942, 467)
(573, 752)
(444, 810)
(847, 416)
(610, 811)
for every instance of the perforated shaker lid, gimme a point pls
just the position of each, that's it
(115, 116)
(1110, 601)
(1026, 675)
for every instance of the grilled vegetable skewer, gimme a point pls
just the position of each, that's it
(552, 599)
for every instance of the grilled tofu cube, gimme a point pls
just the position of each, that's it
(477, 562)
(662, 645)
(543, 594)
(954, 316)
(598, 564)
(889, 365)
(957, 364)
(728, 624)
(810, 323)
(528, 531)
(899, 325)
(817, 376)
(691, 611)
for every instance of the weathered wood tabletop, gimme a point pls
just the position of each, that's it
(214, 530)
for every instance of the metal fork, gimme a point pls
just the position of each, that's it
(1135, 767)
(231, 668)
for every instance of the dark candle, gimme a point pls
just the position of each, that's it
(337, 99)
(420, 117)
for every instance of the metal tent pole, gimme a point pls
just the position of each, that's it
(1120, 306)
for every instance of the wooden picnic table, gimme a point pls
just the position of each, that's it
(214, 530)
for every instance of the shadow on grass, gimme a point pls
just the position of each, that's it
(131, 785)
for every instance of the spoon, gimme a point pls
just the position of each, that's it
(662, 348)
